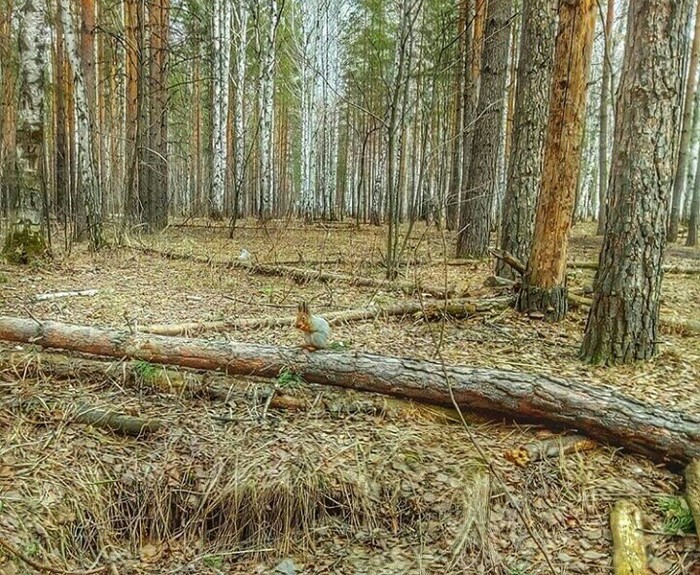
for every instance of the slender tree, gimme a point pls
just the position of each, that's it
(623, 322)
(221, 56)
(683, 152)
(26, 240)
(544, 290)
(603, 117)
(529, 124)
(479, 189)
(87, 168)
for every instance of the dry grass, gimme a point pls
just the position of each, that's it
(230, 486)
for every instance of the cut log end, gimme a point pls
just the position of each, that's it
(629, 555)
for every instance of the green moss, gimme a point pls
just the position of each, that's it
(25, 243)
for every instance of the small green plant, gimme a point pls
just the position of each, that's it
(677, 514)
(338, 346)
(3, 279)
(146, 371)
(213, 561)
(518, 570)
(31, 549)
(287, 379)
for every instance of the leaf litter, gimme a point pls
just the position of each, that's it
(232, 486)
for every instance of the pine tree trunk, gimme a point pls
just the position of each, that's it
(693, 220)
(482, 181)
(61, 151)
(133, 15)
(544, 291)
(529, 124)
(603, 119)
(157, 166)
(26, 240)
(684, 148)
(623, 321)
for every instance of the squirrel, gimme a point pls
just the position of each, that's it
(316, 330)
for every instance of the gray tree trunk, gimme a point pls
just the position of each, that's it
(529, 127)
(26, 240)
(482, 180)
(623, 321)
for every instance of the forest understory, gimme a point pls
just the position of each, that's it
(288, 477)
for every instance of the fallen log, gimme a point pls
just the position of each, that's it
(629, 555)
(692, 491)
(307, 275)
(457, 308)
(556, 446)
(668, 269)
(600, 412)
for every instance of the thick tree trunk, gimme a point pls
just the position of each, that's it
(600, 412)
(603, 119)
(480, 187)
(684, 148)
(544, 290)
(530, 121)
(26, 240)
(623, 321)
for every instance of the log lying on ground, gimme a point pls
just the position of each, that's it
(692, 491)
(305, 274)
(555, 446)
(457, 308)
(629, 555)
(598, 411)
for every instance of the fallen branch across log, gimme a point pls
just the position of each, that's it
(458, 308)
(307, 275)
(600, 412)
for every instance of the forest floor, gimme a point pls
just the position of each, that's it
(396, 487)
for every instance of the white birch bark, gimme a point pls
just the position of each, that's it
(87, 173)
(308, 204)
(30, 114)
(221, 36)
(267, 39)
(239, 121)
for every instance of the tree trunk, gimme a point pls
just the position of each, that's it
(684, 148)
(221, 56)
(458, 128)
(157, 166)
(530, 121)
(692, 239)
(481, 183)
(87, 169)
(598, 411)
(544, 290)
(133, 15)
(623, 322)
(603, 119)
(26, 240)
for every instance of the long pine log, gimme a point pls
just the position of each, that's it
(600, 412)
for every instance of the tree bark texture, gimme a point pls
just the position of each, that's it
(603, 118)
(480, 186)
(544, 290)
(26, 240)
(529, 124)
(684, 148)
(598, 411)
(624, 318)
(85, 132)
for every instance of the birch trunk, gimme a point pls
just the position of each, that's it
(221, 45)
(239, 121)
(87, 172)
(26, 240)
